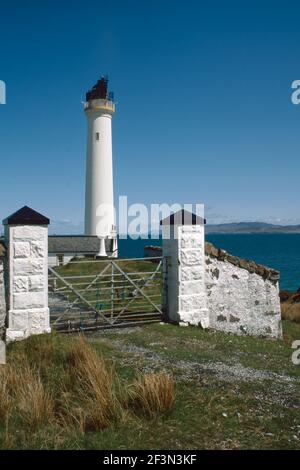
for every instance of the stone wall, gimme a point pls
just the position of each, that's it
(2, 300)
(28, 288)
(242, 296)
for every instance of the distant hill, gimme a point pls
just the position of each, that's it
(251, 227)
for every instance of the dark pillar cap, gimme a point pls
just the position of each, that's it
(26, 216)
(183, 217)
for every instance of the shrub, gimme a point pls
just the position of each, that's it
(152, 393)
(94, 386)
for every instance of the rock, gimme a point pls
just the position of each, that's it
(211, 250)
(2, 249)
(233, 319)
(284, 295)
(295, 299)
(221, 318)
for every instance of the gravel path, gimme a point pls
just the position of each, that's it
(227, 372)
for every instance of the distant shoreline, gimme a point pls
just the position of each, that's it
(250, 227)
(213, 231)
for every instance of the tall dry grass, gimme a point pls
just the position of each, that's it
(290, 311)
(5, 395)
(95, 387)
(34, 404)
(152, 393)
(21, 389)
(74, 391)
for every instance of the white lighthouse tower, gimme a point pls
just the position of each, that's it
(99, 200)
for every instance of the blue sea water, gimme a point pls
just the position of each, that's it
(279, 251)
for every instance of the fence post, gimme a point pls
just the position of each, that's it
(26, 237)
(165, 296)
(184, 283)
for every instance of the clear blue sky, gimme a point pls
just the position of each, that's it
(203, 104)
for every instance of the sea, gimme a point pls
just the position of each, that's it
(279, 251)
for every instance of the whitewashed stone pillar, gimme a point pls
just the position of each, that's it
(26, 234)
(184, 285)
(2, 313)
(2, 300)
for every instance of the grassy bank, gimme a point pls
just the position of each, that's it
(115, 391)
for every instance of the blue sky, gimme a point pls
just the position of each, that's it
(203, 93)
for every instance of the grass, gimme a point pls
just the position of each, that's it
(152, 393)
(290, 305)
(290, 311)
(94, 387)
(152, 387)
(62, 388)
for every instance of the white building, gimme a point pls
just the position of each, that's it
(63, 248)
(99, 201)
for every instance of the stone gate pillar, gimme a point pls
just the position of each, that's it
(2, 307)
(26, 237)
(184, 277)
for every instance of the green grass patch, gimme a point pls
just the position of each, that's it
(212, 409)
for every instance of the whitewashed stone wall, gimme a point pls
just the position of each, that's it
(28, 286)
(240, 301)
(206, 286)
(184, 247)
(2, 300)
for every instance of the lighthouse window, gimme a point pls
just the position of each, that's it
(97, 136)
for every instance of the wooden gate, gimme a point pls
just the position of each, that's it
(89, 293)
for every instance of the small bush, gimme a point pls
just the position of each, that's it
(152, 393)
